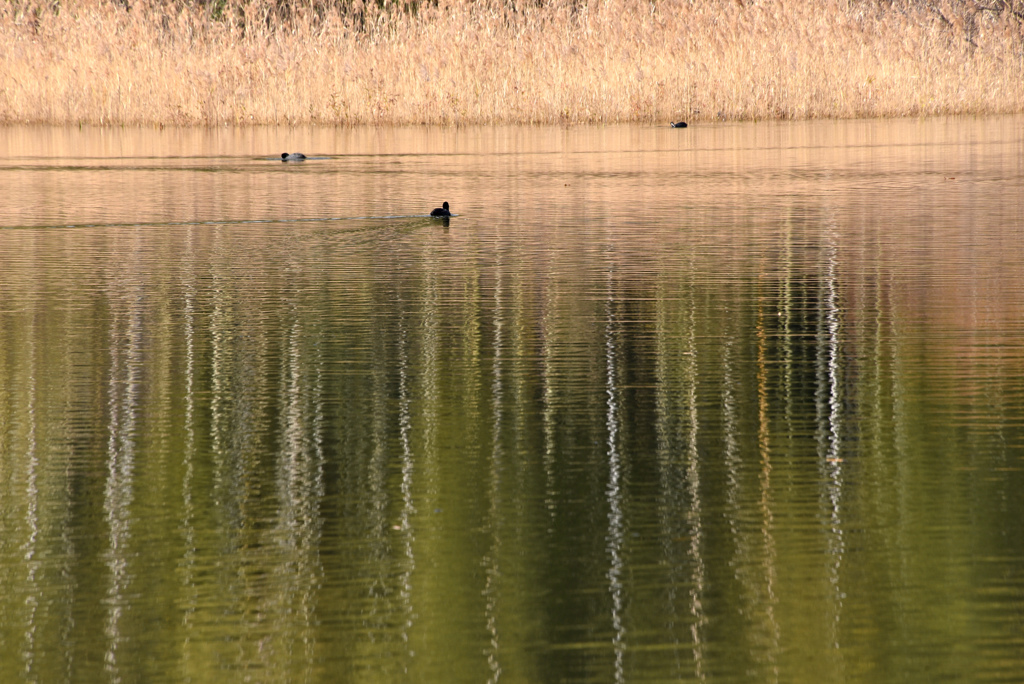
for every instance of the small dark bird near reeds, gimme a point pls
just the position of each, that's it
(292, 156)
(441, 212)
(681, 124)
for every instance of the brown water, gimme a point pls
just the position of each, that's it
(733, 403)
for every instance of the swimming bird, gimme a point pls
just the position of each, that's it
(294, 156)
(681, 124)
(442, 211)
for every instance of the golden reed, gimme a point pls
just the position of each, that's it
(511, 61)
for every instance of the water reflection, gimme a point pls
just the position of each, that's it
(30, 547)
(408, 510)
(829, 400)
(492, 561)
(764, 426)
(126, 330)
(616, 513)
(676, 448)
(188, 565)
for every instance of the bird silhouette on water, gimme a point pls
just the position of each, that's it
(441, 211)
(292, 156)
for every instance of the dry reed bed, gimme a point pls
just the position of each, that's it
(487, 62)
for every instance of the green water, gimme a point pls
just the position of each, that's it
(734, 403)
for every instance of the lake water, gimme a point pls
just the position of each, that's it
(740, 402)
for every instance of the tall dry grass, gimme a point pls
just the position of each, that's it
(461, 61)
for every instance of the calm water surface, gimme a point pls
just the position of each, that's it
(734, 403)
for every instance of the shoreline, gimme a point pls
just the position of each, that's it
(463, 63)
(95, 144)
(696, 124)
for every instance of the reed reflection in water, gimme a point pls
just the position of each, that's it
(745, 404)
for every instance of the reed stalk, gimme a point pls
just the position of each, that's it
(493, 61)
